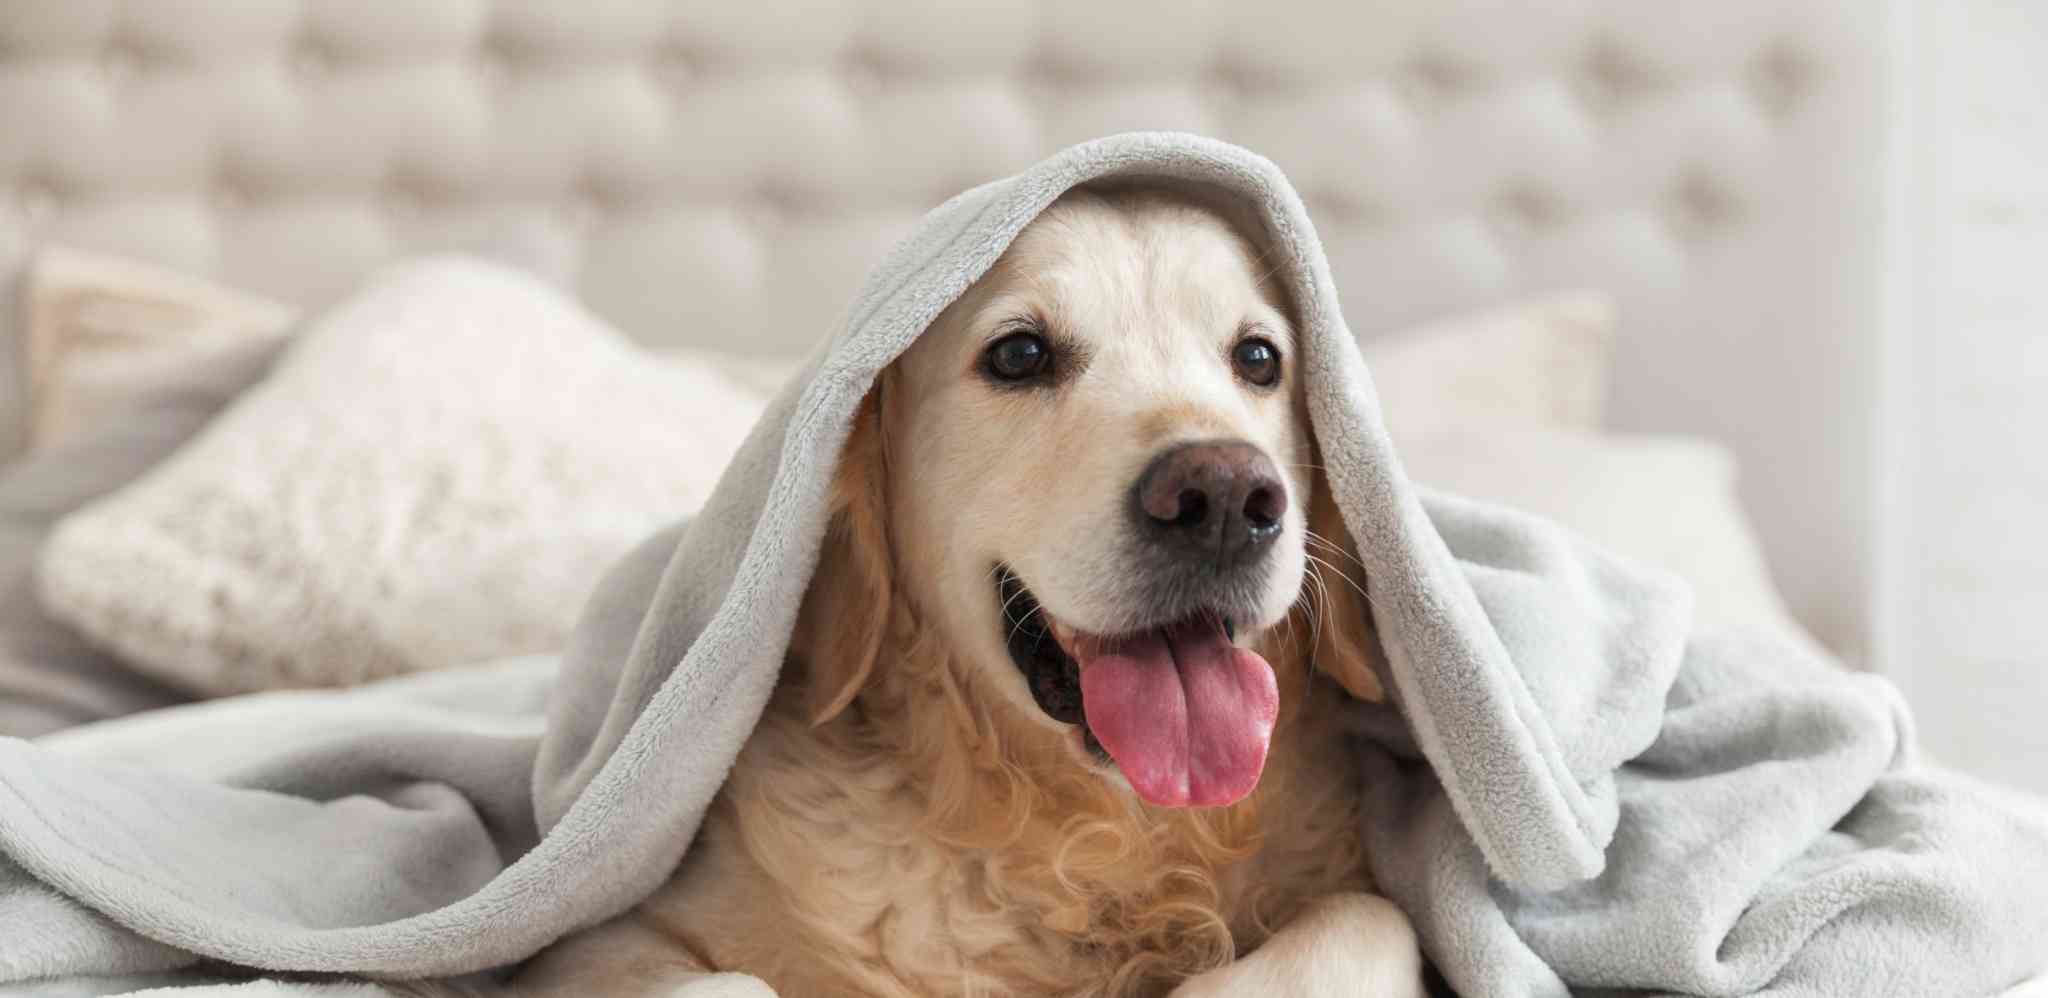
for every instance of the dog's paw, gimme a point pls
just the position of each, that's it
(1337, 979)
(1346, 946)
(724, 986)
(1238, 978)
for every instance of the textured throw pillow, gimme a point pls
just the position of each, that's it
(436, 473)
(101, 331)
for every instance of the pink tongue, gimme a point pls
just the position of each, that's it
(1185, 713)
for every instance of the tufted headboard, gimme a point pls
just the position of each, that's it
(722, 173)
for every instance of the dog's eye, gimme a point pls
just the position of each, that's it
(1256, 360)
(1019, 356)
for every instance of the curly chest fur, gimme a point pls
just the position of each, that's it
(851, 859)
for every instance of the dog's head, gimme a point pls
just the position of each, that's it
(1094, 476)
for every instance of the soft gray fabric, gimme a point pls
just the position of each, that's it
(1577, 790)
(50, 677)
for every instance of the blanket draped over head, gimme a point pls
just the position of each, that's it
(1571, 790)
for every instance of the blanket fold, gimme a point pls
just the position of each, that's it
(1573, 789)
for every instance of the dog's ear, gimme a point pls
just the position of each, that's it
(1346, 644)
(846, 610)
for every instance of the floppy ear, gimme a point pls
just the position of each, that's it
(1347, 646)
(846, 611)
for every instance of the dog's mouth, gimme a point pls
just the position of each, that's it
(1183, 711)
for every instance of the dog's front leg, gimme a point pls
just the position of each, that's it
(1345, 944)
(623, 958)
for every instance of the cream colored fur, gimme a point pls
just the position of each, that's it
(905, 821)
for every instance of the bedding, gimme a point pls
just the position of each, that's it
(1576, 789)
(1499, 405)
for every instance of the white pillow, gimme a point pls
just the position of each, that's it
(1538, 363)
(436, 474)
(1664, 501)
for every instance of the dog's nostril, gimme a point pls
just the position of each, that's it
(1194, 508)
(1263, 508)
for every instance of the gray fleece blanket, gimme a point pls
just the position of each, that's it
(1572, 792)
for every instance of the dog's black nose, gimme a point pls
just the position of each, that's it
(1220, 501)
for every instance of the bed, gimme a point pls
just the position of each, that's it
(720, 176)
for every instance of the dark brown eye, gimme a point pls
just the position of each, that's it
(1020, 356)
(1257, 361)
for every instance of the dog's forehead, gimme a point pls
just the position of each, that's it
(1109, 269)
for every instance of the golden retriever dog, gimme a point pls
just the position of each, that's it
(1061, 711)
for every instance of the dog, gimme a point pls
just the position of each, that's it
(1062, 709)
